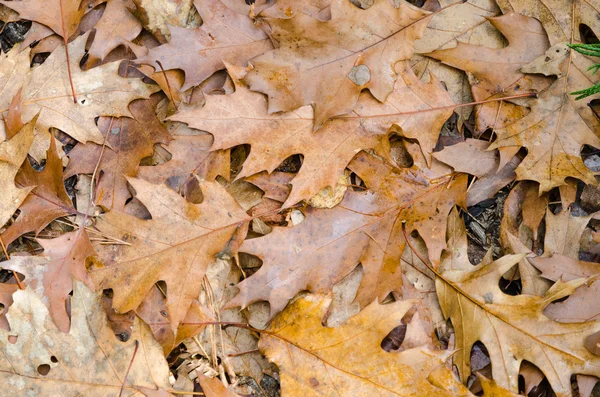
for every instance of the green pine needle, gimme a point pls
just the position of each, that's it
(592, 50)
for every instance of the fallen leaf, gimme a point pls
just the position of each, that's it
(474, 303)
(63, 261)
(88, 360)
(364, 227)
(574, 309)
(125, 143)
(175, 246)
(240, 118)
(100, 91)
(495, 72)
(62, 16)
(328, 64)
(12, 154)
(225, 36)
(47, 201)
(116, 27)
(316, 360)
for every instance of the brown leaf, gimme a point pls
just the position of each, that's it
(88, 360)
(6, 299)
(225, 36)
(100, 91)
(116, 27)
(364, 227)
(63, 261)
(191, 155)
(328, 64)
(12, 154)
(348, 360)
(240, 118)
(513, 328)
(212, 387)
(576, 308)
(175, 246)
(62, 16)
(127, 141)
(496, 71)
(469, 156)
(47, 201)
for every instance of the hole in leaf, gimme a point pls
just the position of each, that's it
(54, 359)
(587, 34)
(510, 282)
(480, 363)
(162, 287)
(394, 339)
(43, 369)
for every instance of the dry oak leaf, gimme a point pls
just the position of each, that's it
(469, 156)
(175, 246)
(100, 91)
(6, 299)
(348, 360)
(87, 361)
(191, 155)
(241, 118)
(327, 64)
(554, 134)
(513, 328)
(364, 228)
(47, 201)
(495, 72)
(13, 153)
(225, 35)
(62, 16)
(127, 142)
(117, 26)
(558, 126)
(62, 262)
(13, 65)
(578, 307)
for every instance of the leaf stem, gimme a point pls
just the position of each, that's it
(137, 344)
(66, 40)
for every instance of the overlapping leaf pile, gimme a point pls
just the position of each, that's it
(236, 184)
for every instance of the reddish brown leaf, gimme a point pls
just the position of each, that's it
(364, 228)
(63, 261)
(127, 142)
(47, 201)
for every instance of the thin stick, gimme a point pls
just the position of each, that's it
(137, 344)
(242, 353)
(65, 39)
(7, 258)
(168, 85)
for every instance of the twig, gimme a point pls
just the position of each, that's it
(7, 258)
(137, 344)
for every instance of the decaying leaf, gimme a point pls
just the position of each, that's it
(100, 91)
(175, 246)
(328, 64)
(496, 71)
(348, 360)
(513, 328)
(88, 360)
(126, 141)
(47, 201)
(364, 228)
(240, 118)
(12, 154)
(116, 27)
(62, 262)
(226, 35)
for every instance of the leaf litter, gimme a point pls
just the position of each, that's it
(319, 197)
